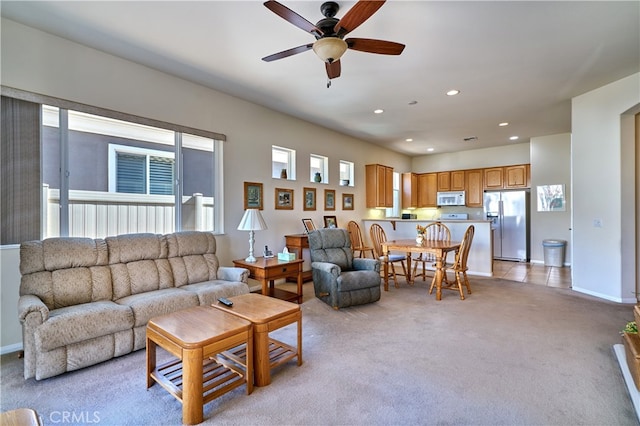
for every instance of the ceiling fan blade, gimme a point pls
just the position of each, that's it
(290, 16)
(381, 47)
(288, 52)
(359, 13)
(333, 69)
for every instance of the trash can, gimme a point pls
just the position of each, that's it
(554, 252)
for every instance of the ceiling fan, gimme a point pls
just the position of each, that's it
(329, 32)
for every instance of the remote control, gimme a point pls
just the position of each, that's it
(225, 301)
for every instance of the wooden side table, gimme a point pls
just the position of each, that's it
(296, 243)
(267, 314)
(198, 338)
(268, 270)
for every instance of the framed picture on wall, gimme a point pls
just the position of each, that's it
(253, 195)
(309, 199)
(284, 199)
(329, 199)
(347, 201)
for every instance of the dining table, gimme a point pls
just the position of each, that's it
(437, 247)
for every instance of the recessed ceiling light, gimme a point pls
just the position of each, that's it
(513, 138)
(408, 140)
(453, 92)
(378, 111)
(429, 149)
(503, 124)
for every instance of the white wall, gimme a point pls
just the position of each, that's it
(41, 63)
(550, 165)
(599, 177)
(472, 159)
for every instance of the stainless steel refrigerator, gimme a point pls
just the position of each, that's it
(508, 213)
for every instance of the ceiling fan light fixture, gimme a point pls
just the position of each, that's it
(330, 49)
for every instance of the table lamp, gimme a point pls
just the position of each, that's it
(252, 221)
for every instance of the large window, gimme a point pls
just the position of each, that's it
(103, 176)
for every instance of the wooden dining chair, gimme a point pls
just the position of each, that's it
(378, 237)
(459, 266)
(436, 231)
(357, 242)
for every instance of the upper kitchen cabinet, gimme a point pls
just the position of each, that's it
(379, 183)
(409, 190)
(427, 189)
(517, 176)
(444, 181)
(457, 180)
(474, 188)
(493, 178)
(508, 177)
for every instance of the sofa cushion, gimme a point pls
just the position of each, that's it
(73, 324)
(209, 291)
(153, 303)
(192, 257)
(132, 247)
(65, 271)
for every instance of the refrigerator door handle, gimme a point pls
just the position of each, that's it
(500, 208)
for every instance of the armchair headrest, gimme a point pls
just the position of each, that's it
(331, 245)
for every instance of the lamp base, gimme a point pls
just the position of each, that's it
(250, 259)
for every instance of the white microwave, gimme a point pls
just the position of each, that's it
(451, 198)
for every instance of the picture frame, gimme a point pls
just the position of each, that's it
(551, 198)
(330, 222)
(309, 199)
(308, 225)
(253, 196)
(347, 201)
(329, 199)
(283, 199)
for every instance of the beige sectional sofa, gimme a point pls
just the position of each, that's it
(84, 301)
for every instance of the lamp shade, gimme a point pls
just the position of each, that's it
(330, 49)
(252, 221)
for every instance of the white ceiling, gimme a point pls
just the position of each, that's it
(519, 62)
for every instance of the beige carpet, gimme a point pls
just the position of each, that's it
(510, 354)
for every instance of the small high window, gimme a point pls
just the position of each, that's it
(346, 173)
(318, 168)
(283, 163)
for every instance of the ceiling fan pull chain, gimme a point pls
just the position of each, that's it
(328, 83)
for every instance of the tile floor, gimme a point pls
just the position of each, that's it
(533, 273)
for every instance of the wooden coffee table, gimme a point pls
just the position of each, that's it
(197, 337)
(267, 314)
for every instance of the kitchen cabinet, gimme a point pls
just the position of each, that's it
(444, 181)
(458, 180)
(427, 189)
(474, 188)
(379, 185)
(517, 176)
(409, 190)
(493, 178)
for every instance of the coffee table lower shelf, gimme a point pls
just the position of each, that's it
(279, 353)
(219, 376)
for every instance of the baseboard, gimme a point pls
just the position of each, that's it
(605, 296)
(10, 348)
(634, 394)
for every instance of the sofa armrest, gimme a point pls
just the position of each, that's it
(330, 268)
(32, 304)
(365, 264)
(231, 273)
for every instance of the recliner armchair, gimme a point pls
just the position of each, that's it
(339, 280)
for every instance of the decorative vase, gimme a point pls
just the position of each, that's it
(317, 177)
(283, 174)
(419, 239)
